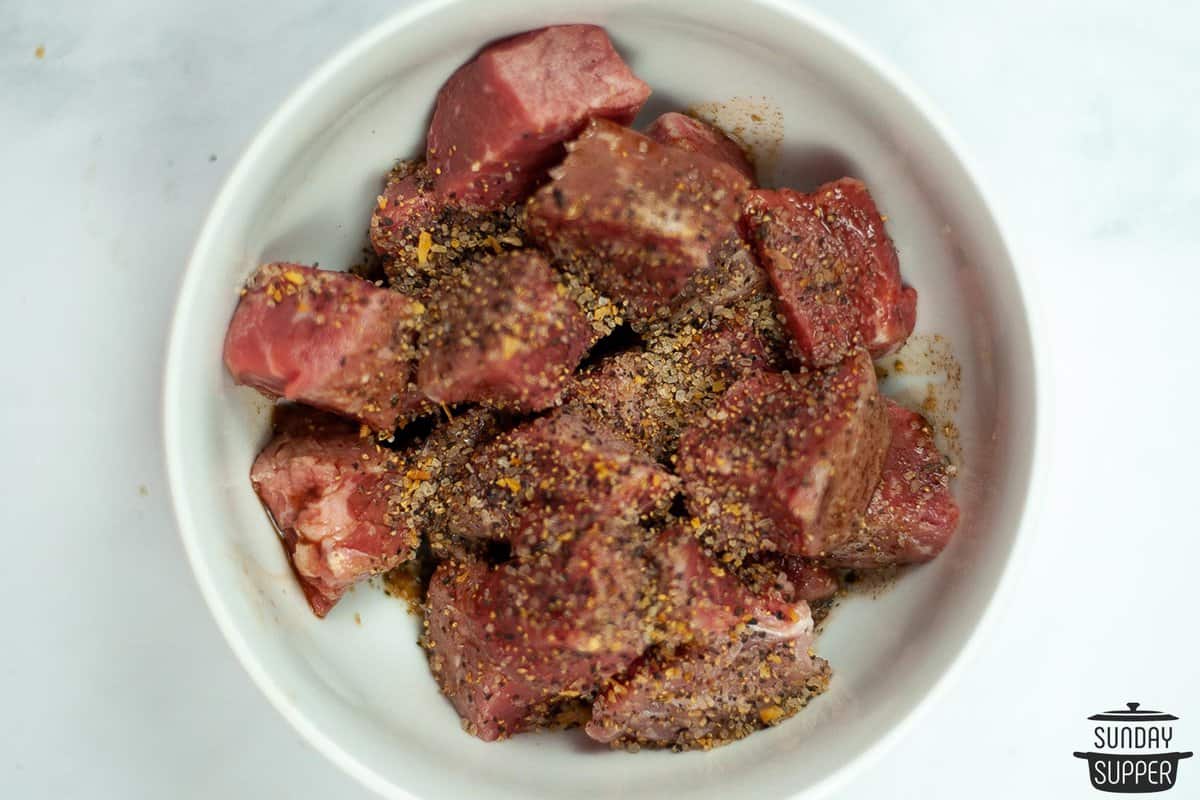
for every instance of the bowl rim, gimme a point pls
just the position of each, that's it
(1040, 386)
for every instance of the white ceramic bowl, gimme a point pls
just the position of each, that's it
(303, 191)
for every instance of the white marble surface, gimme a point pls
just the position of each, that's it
(1083, 118)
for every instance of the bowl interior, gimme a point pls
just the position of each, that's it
(356, 683)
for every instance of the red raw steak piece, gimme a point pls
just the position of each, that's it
(651, 395)
(787, 462)
(696, 136)
(328, 489)
(912, 514)
(330, 340)
(423, 236)
(504, 333)
(704, 696)
(507, 643)
(551, 478)
(501, 118)
(834, 270)
(637, 218)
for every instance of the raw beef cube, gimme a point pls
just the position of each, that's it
(407, 206)
(619, 391)
(327, 488)
(330, 340)
(695, 136)
(731, 345)
(804, 580)
(912, 514)
(507, 643)
(732, 281)
(703, 697)
(697, 597)
(505, 334)
(701, 600)
(637, 218)
(422, 236)
(544, 481)
(787, 462)
(603, 314)
(649, 396)
(729, 657)
(833, 268)
(501, 118)
(789, 578)
(733, 285)
(432, 470)
(887, 306)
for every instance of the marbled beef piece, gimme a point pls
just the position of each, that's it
(544, 481)
(501, 119)
(731, 284)
(728, 657)
(423, 236)
(912, 514)
(327, 488)
(731, 349)
(432, 472)
(330, 340)
(834, 269)
(696, 136)
(700, 600)
(504, 333)
(702, 696)
(650, 395)
(788, 578)
(804, 580)
(507, 643)
(787, 462)
(603, 314)
(637, 218)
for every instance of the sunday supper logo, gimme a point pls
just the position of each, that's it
(1133, 751)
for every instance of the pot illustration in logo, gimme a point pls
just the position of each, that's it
(1133, 751)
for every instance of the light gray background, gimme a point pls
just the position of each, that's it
(1084, 119)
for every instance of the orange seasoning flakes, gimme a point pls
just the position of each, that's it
(424, 245)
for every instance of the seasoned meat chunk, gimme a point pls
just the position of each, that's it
(603, 314)
(327, 489)
(732, 283)
(804, 580)
(912, 514)
(546, 480)
(637, 218)
(649, 396)
(330, 340)
(834, 269)
(705, 696)
(731, 349)
(701, 600)
(507, 643)
(501, 119)
(504, 333)
(696, 136)
(729, 657)
(422, 235)
(433, 470)
(787, 462)
(789, 578)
